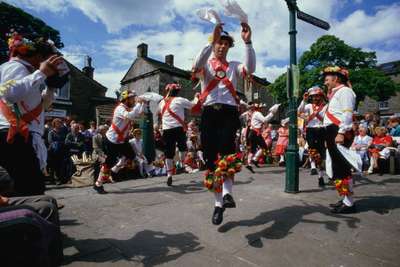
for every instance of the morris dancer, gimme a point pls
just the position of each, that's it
(314, 115)
(116, 141)
(172, 114)
(220, 115)
(338, 122)
(32, 66)
(257, 142)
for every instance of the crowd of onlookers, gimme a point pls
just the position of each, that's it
(375, 140)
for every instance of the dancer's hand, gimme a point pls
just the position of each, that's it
(217, 33)
(339, 138)
(246, 32)
(49, 66)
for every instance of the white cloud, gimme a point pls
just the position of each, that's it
(109, 78)
(360, 29)
(50, 5)
(116, 15)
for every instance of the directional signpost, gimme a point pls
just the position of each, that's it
(292, 158)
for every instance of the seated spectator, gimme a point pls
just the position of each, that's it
(394, 126)
(136, 142)
(378, 150)
(75, 141)
(98, 143)
(361, 143)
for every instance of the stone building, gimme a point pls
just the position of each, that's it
(82, 97)
(147, 74)
(392, 105)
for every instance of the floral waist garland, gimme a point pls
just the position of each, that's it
(227, 166)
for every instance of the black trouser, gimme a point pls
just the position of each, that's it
(218, 127)
(340, 166)
(113, 151)
(172, 138)
(256, 141)
(20, 161)
(315, 137)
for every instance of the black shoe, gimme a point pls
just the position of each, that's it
(314, 171)
(321, 182)
(218, 215)
(250, 169)
(228, 202)
(100, 189)
(255, 163)
(281, 164)
(337, 204)
(169, 181)
(343, 209)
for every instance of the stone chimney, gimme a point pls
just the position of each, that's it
(88, 70)
(142, 50)
(169, 59)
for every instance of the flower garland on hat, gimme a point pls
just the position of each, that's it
(227, 166)
(17, 43)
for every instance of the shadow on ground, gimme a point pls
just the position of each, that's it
(148, 247)
(284, 219)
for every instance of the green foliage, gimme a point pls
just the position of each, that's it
(366, 79)
(24, 23)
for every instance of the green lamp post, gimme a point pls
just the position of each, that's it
(148, 133)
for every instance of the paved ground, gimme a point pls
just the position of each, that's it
(145, 223)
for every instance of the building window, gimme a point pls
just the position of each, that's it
(383, 105)
(63, 92)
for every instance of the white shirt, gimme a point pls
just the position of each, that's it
(341, 106)
(137, 145)
(236, 69)
(257, 120)
(121, 118)
(18, 85)
(308, 109)
(178, 106)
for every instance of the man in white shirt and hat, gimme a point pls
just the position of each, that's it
(257, 142)
(117, 147)
(338, 121)
(27, 83)
(172, 114)
(218, 102)
(313, 114)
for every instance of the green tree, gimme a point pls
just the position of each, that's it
(366, 79)
(24, 23)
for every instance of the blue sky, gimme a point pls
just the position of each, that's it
(109, 31)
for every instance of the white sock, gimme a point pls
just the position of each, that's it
(218, 199)
(169, 164)
(257, 155)
(200, 155)
(120, 164)
(249, 158)
(282, 158)
(182, 156)
(321, 173)
(313, 165)
(371, 165)
(227, 187)
(348, 201)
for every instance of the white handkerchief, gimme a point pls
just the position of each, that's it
(209, 15)
(232, 9)
(151, 96)
(274, 108)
